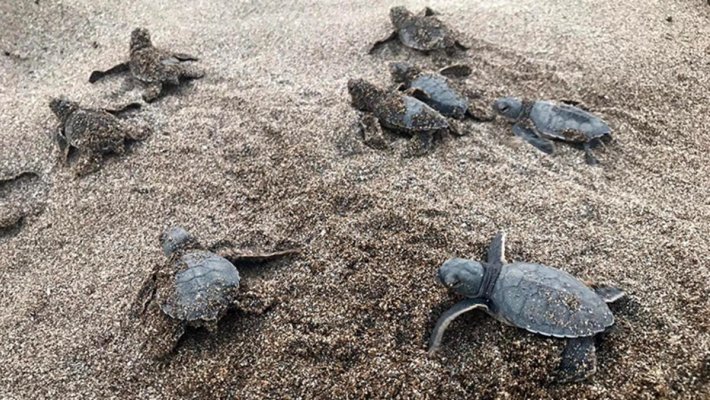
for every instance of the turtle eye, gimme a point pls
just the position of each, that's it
(504, 107)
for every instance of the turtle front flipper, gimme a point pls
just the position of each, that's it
(456, 71)
(589, 156)
(87, 163)
(116, 69)
(429, 12)
(452, 313)
(579, 360)
(189, 71)
(122, 109)
(496, 251)
(379, 43)
(234, 256)
(609, 294)
(371, 132)
(418, 94)
(542, 144)
(420, 144)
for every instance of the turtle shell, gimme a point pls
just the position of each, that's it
(441, 96)
(95, 128)
(203, 289)
(548, 301)
(425, 34)
(566, 122)
(151, 64)
(407, 114)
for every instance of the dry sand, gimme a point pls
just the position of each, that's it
(263, 151)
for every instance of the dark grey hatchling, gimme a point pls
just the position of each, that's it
(152, 66)
(537, 122)
(92, 133)
(423, 32)
(534, 297)
(398, 112)
(196, 288)
(436, 90)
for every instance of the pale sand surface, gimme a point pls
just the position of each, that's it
(264, 151)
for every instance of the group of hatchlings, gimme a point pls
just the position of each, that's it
(200, 284)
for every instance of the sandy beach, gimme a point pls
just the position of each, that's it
(265, 152)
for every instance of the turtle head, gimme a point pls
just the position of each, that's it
(510, 108)
(62, 107)
(399, 15)
(140, 38)
(403, 71)
(462, 276)
(176, 239)
(363, 94)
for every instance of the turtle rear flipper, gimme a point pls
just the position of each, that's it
(381, 42)
(116, 69)
(185, 57)
(544, 145)
(579, 360)
(452, 313)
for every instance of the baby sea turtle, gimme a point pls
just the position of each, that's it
(537, 122)
(534, 297)
(399, 112)
(152, 66)
(436, 90)
(424, 32)
(196, 288)
(92, 133)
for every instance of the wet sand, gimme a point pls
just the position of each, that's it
(264, 151)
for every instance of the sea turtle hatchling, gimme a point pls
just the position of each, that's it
(152, 66)
(537, 122)
(436, 90)
(398, 112)
(423, 32)
(534, 297)
(194, 288)
(92, 133)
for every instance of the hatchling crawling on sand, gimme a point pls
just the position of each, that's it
(534, 297)
(92, 133)
(398, 112)
(537, 122)
(152, 66)
(423, 32)
(436, 90)
(196, 288)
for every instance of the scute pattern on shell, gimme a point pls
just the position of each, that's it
(565, 122)
(549, 301)
(405, 113)
(204, 288)
(442, 97)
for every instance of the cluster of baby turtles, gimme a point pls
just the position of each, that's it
(199, 284)
(425, 104)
